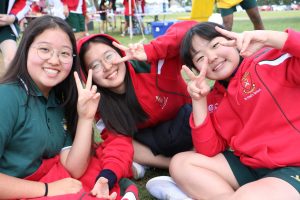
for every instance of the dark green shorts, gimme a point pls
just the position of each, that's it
(7, 34)
(245, 4)
(244, 174)
(76, 21)
(127, 18)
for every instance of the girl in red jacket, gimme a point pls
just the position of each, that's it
(146, 101)
(246, 131)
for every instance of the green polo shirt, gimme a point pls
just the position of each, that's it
(30, 130)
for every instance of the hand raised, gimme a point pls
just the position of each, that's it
(247, 42)
(133, 52)
(101, 190)
(88, 97)
(197, 86)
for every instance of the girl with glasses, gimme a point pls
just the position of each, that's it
(144, 103)
(45, 143)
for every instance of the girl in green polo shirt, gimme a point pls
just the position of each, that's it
(38, 122)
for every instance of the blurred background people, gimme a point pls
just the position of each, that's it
(11, 12)
(228, 7)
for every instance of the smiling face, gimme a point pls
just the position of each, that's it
(47, 73)
(105, 74)
(222, 61)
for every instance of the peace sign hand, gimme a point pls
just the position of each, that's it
(133, 52)
(197, 86)
(247, 42)
(88, 97)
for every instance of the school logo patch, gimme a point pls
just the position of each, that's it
(162, 101)
(247, 84)
(249, 89)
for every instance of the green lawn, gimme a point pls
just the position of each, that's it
(276, 20)
(272, 20)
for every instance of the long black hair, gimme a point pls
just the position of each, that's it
(65, 91)
(121, 113)
(205, 30)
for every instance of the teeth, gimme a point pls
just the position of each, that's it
(51, 71)
(112, 75)
(217, 67)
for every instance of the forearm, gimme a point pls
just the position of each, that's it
(79, 155)
(21, 188)
(199, 110)
(276, 39)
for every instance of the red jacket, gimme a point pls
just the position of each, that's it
(19, 8)
(72, 5)
(158, 100)
(258, 116)
(126, 7)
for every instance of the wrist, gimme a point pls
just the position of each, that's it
(15, 19)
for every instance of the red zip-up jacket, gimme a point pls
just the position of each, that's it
(258, 115)
(159, 88)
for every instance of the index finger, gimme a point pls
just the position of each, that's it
(188, 72)
(78, 82)
(120, 46)
(226, 33)
(121, 59)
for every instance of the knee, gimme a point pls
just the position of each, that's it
(179, 164)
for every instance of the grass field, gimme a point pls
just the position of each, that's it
(272, 20)
(279, 20)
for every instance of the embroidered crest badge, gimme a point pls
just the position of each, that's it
(247, 84)
(162, 101)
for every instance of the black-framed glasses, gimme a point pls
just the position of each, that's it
(45, 52)
(108, 57)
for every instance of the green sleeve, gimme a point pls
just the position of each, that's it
(9, 106)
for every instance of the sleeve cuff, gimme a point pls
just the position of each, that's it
(110, 176)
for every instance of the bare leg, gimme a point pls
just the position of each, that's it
(8, 49)
(202, 177)
(266, 188)
(255, 18)
(228, 21)
(143, 155)
(211, 178)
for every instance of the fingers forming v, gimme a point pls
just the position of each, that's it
(203, 70)
(89, 80)
(78, 82)
(188, 72)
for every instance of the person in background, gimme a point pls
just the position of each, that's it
(246, 131)
(144, 101)
(11, 12)
(113, 9)
(128, 13)
(76, 16)
(103, 16)
(228, 7)
(140, 11)
(45, 145)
